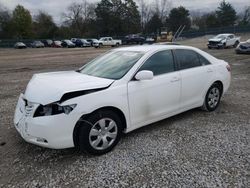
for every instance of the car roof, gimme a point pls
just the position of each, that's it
(156, 47)
(226, 34)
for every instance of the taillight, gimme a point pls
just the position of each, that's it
(228, 68)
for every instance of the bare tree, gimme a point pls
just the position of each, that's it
(78, 15)
(245, 16)
(162, 8)
(146, 12)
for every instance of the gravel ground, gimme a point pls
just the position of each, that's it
(193, 149)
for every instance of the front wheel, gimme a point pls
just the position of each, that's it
(100, 132)
(236, 44)
(212, 99)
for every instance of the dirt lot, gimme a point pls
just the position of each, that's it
(193, 149)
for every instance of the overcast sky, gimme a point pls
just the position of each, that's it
(56, 7)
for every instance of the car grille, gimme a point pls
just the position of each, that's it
(29, 108)
(213, 43)
(244, 47)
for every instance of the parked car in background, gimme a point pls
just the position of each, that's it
(223, 41)
(82, 43)
(120, 91)
(68, 44)
(167, 43)
(37, 44)
(20, 45)
(73, 40)
(243, 47)
(150, 40)
(56, 44)
(47, 43)
(107, 41)
(91, 41)
(133, 39)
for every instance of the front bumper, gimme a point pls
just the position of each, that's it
(242, 51)
(215, 45)
(54, 132)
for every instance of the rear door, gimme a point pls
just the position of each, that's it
(105, 41)
(110, 41)
(151, 100)
(231, 40)
(196, 75)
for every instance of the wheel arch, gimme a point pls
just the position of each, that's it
(213, 82)
(220, 83)
(85, 116)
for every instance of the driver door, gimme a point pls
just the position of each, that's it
(152, 100)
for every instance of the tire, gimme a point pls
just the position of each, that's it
(212, 99)
(117, 44)
(95, 137)
(100, 45)
(236, 44)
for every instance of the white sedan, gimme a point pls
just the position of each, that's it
(119, 91)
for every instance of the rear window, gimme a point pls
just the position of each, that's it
(187, 58)
(203, 60)
(160, 63)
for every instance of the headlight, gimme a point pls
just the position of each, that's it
(53, 109)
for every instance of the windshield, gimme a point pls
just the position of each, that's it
(68, 41)
(113, 65)
(220, 37)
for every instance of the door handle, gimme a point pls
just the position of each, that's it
(175, 79)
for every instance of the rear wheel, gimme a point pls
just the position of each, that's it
(100, 132)
(213, 96)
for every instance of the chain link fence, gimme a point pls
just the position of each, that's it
(215, 31)
(9, 43)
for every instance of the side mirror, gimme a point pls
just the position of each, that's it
(144, 75)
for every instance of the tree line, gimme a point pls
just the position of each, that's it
(115, 18)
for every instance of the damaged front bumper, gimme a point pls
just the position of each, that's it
(54, 132)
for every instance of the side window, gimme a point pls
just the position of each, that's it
(187, 58)
(203, 60)
(159, 63)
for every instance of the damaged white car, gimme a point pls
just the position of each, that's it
(223, 41)
(118, 92)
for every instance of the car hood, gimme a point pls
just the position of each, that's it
(215, 40)
(46, 88)
(246, 44)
